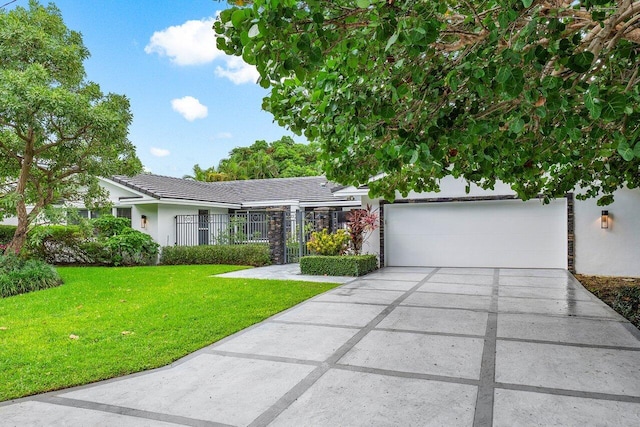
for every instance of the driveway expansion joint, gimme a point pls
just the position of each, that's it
(121, 410)
(484, 403)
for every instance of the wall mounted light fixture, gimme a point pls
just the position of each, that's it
(143, 221)
(604, 219)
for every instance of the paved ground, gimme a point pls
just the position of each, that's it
(284, 272)
(402, 346)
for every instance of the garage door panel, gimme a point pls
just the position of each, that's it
(477, 234)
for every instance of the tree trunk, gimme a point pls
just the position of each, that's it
(20, 236)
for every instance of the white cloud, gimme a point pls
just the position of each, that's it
(194, 43)
(190, 108)
(237, 71)
(224, 135)
(159, 152)
(191, 43)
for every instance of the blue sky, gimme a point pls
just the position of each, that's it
(191, 103)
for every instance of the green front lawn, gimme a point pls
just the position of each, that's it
(107, 322)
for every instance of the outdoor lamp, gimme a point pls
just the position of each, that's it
(143, 221)
(604, 219)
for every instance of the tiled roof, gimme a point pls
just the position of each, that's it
(167, 187)
(304, 189)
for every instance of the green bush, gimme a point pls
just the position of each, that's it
(106, 241)
(256, 255)
(325, 243)
(346, 265)
(61, 244)
(6, 233)
(627, 303)
(109, 225)
(18, 276)
(131, 247)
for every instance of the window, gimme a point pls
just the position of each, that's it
(75, 215)
(124, 213)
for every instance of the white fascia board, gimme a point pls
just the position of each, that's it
(200, 203)
(352, 191)
(344, 203)
(182, 202)
(269, 203)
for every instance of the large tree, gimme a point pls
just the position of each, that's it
(58, 132)
(542, 95)
(283, 158)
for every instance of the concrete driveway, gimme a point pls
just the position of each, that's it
(401, 346)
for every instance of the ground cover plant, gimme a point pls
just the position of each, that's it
(108, 322)
(620, 293)
(19, 276)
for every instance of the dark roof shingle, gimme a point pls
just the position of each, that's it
(304, 189)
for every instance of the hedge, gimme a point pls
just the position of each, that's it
(345, 265)
(256, 255)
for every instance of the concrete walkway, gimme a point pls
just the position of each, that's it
(402, 346)
(283, 272)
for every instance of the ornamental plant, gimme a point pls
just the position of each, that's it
(360, 224)
(325, 243)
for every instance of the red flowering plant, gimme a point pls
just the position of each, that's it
(360, 224)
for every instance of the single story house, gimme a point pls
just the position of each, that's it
(184, 212)
(492, 228)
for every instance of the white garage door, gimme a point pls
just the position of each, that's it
(506, 233)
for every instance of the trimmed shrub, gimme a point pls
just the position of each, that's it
(19, 276)
(62, 244)
(346, 265)
(131, 247)
(6, 233)
(111, 242)
(325, 243)
(109, 225)
(627, 303)
(256, 255)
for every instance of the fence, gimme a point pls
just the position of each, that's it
(221, 229)
(294, 230)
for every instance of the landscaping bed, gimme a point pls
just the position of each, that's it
(108, 322)
(620, 293)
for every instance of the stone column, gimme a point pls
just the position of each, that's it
(323, 219)
(277, 234)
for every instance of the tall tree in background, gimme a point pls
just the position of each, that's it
(58, 132)
(283, 158)
(541, 94)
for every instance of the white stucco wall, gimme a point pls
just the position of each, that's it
(614, 251)
(115, 192)
(151, 212)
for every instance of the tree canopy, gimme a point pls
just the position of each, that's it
(58, 132)
(540, 94)
(283, 158)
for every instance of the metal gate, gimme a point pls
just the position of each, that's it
(298, 228)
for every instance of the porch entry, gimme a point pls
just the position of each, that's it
(253, 227)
